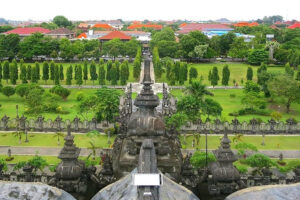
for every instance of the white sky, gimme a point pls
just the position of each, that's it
(150, 9)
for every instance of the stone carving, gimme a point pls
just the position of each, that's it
(5, 122)
(40, 123)
(143, 124)
(225, 177)
(34, 191)
(69, 171)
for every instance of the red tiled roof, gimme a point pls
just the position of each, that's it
(105, 26)
(82, 35)
(125, 32)
(83, 25)
(241, 24)
(115, 34)
(28, 31)
(296, 25)
(137, 26)
(202, 27)
(60, 31)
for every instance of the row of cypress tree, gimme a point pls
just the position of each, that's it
(113, 72)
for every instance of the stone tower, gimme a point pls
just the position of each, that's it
(70, 169)
(146, 123)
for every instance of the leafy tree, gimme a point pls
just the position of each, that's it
(69, 75)
(114, 75)
(251, 87)
(123, 74)
(37, 73)
(93, 72)
(37, 162)
(19, 165)
(101, 74)
(198, 160)
(52, 74)
(28, 72)
(56, 75)
(34, 74)
(285, 87)
(61, 72)
(78, 74)
(225, 75)
(190, 106)
(131, 47)
(108, 70)
(113, 48)
(225, 42)
(9, 45)
(13, 72)
(199, 51)
(209, 75)
(136, 69)
(260, 161)
(61, 91)
(61, 21)
(242, 147)
(45, 71)
(0, 72)
(288, 70)
(239, 48)
(257, 56)
(214, 77)
(6, 74)
(212, 108)
(253, 100)
(85, 71)
(107, 107)
(8, 91)
(190, 41)
(34, 101)
(298, 74)
(249, 74)
(176, 121)
(192, 74)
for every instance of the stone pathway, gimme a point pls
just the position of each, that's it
(54, 151)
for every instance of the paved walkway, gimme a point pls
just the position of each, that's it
(54, 151)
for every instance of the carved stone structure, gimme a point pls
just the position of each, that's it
(224, 176)
(124, 189)
(146, 123)
(69, 173)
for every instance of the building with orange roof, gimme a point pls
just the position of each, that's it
(102, 26)
(242, 24)
(139, 26)
(82, 36)
(182, 25)
(296, 25)
(115, 34)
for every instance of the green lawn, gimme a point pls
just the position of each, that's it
(271, 142)
(238, 72)
(233, 104)
(51, 160)
(65, 66)
(48, 140)
(9, 105)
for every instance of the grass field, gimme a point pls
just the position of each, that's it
(233, 104)
(238, 72)
(49, 140)
(51, 160)
(65, 66)
(9, 105)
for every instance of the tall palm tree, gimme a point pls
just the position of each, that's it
(198, 90)
(58, 135)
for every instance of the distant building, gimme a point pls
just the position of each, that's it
(102, 26)
(143, 37)
(61, 33)
(208, 29)
(242, 24)
(83, 26)
(113, 35)
(140, 26)
(27, 31)
(296, 25)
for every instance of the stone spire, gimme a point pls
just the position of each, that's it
(145, 121)
(70, 167)
(223, 170)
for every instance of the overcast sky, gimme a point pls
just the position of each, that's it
(150, 9)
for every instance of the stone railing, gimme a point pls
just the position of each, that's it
(41, 125)
(253, 127)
